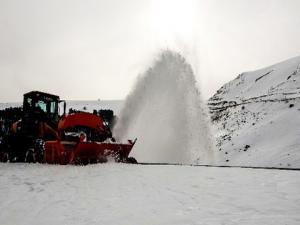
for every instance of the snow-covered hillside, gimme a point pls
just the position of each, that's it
(115, 194)
(257, 117)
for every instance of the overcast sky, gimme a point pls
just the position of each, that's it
(95, 49)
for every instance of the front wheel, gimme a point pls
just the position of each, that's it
(39, 150)
(30, 156)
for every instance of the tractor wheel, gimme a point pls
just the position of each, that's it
(30, 156)
(131, 160)
(4, 157)
(39, 149)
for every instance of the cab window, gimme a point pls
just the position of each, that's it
(29, 102)
(41, 105)
(53, 107)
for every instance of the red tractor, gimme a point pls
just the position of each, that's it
(41, 135)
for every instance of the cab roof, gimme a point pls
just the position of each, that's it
(38, 93)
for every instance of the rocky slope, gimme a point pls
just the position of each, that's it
(256, 117)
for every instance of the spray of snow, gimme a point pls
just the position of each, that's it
(165, 112)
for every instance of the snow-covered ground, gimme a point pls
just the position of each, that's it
(257, 117)
(134, 194)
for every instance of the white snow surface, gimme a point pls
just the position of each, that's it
(257, 117)
(33, 194)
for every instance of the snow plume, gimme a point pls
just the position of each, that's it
(165, 112)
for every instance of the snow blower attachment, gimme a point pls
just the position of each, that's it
(85, 138)
(41, 135)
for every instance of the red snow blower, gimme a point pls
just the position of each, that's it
(41, 135)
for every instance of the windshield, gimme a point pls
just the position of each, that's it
(46, 105)
(41, 105)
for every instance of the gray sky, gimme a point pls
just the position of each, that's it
(92, 49)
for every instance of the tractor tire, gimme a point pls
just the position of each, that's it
(4, 157)
(39, 149)
(30, 156)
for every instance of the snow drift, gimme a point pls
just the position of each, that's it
(166, 114)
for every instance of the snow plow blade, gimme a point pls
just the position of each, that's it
(82, 153)
(85, 138)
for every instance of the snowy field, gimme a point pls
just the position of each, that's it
(135, 194)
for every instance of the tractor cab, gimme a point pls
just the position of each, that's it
(39, 107)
